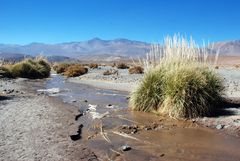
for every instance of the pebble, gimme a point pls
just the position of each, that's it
(126, 148)
(219, 126)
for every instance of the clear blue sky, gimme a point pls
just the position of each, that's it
(54, 21)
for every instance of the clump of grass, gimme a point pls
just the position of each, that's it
(113, 65)
(178, 82)
(5, 72)
(93, 65)
(33, 69)
(122, 66)
(75, 70)
(110, 72)
(136, 70)
(61, 67)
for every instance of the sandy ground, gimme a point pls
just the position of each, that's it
(228, 120)
(121, 81)
(36, 127)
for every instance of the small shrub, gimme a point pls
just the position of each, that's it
(75, 70)
(110, 72)
(216, 67)
(33, 69)
(135, 70)
(5, 72)
(113, 65)
(180, 84)
(93, 66)
(122, 66)
(61, 68)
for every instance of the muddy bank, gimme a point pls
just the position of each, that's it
(36, 127)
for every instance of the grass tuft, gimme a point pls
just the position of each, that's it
(179, 81)
(75, 70)
(93, 66)
(60, 67)
(33, 69)
(5, 72)
(122, 66)
(136, 70)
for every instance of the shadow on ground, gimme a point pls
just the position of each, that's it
(2, 98)
(228, 107)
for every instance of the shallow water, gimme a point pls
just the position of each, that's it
(172, 140)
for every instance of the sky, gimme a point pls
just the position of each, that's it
(56, 21)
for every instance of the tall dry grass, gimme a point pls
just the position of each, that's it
(179, 80)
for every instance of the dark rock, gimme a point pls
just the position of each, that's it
(134, 131)
(85, 100)
(128, 97)
(162, 155)
(126, 148)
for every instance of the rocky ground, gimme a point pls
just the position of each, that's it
(36, 127)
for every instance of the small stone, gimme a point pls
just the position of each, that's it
(126, 147)
(236, 121)
(219, 126)
(147, 128)
(134, 131)
(127, 98)
(162, 155)
(85, 100)
(125, 126)
(74, 100)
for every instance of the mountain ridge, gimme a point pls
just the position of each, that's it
(104, 49)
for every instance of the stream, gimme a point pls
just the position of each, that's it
(108, 125)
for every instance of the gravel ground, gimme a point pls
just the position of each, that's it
(37, 127)
(121, 81)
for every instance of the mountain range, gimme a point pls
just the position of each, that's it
(98, 49)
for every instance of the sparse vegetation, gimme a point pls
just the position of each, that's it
(136, 70)
(61, 67)
(110, 72)
(180, 84)
(93, 66)
(75, 70)
(122, 66)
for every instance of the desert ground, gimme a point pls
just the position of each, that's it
(36, 127)
(40, 118)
